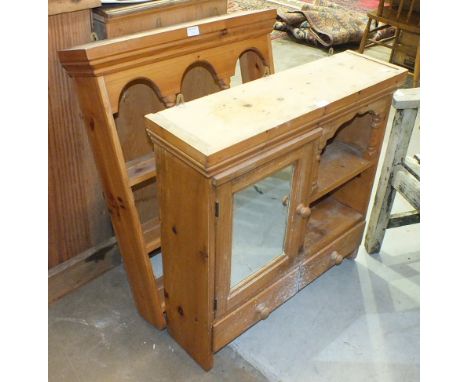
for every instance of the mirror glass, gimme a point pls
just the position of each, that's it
(260, 215)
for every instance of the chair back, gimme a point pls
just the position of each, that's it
(405, 9)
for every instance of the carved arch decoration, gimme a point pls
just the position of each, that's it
(139, 80)
(377, 113)
(253, 64)
(138, 98)
(196, 74)
(162, 55)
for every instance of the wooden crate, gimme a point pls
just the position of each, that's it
(114, 21)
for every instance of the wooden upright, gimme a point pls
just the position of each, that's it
(161, 58)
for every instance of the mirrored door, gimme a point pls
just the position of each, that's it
(259, 221)
(258, 230)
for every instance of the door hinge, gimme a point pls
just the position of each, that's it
(215, 304)
(217, 209)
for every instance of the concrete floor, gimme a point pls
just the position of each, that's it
(357, 322)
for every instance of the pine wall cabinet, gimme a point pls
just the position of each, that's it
(262, 188)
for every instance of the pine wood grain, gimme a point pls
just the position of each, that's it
(189, 256)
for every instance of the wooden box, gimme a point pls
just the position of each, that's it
(111, 21)
(263, 187)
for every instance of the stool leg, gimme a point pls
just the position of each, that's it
(364, 36)
(398, 143)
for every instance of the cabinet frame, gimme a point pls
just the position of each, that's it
(231, 139)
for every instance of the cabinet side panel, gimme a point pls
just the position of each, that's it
(187, 212)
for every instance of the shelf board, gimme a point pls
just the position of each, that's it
(339, 163)
(141, 169)
(152, 234)
(329, 219)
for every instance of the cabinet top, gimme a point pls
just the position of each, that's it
(235, 120)
(147, 47)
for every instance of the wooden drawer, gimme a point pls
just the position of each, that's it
(331, 255)
(254, 310)
(114, 21)
(258, 308)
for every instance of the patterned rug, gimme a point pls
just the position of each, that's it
(333, 22)
(291, 5)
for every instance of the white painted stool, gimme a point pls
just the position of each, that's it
(399, 173)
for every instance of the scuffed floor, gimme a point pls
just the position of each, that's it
(96, 334)
(357, 322)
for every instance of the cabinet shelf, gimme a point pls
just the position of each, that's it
(339, 163)
(141, 169)
(152, 234)
(329, 219)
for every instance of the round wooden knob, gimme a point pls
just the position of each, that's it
(263, 311)
(304, 211)
(336, 257)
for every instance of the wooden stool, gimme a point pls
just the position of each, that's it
(404, 16)
(399, 173)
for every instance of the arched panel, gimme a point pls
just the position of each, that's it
(252, 65)
(354, 127)
(199, 80)
(356, 132)
(138, 98)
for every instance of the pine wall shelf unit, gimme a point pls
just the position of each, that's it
(263, 187)
(82, 243)
(161, 60)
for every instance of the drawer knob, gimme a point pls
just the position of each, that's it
(336, 257)
(304, 211)
(263, 311)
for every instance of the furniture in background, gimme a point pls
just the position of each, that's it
(111, 21)
(263, 187)
(403, 15)
(161, 60)
(82, 244)
(400, 173)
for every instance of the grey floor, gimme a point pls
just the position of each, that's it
(357, 322)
